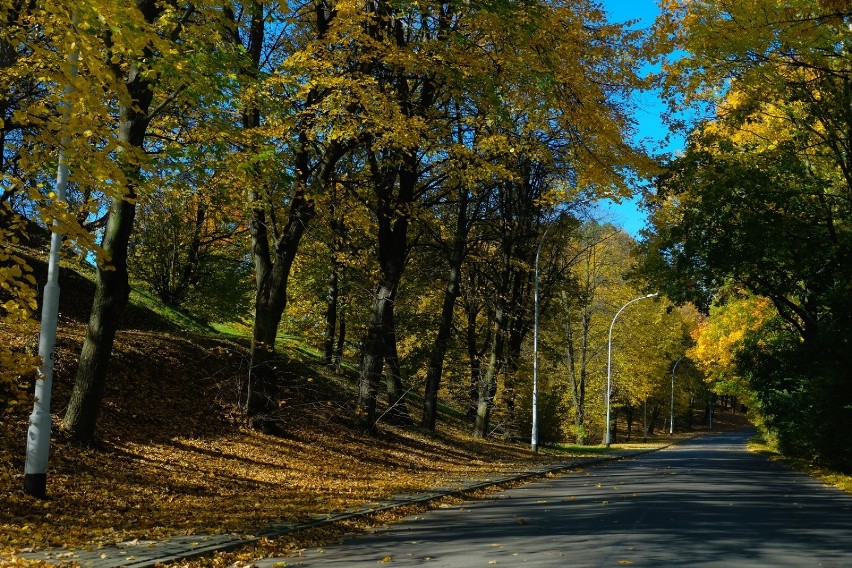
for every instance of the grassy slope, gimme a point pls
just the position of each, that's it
(174, 456)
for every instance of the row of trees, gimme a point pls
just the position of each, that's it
(755, 218)
(388, 168)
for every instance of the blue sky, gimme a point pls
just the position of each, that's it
(648, 116)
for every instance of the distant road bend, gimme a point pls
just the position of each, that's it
(708, 502)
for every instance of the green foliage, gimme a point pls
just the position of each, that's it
(759, 201)
(805, 405)
(224, 291)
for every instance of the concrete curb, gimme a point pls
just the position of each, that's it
(147, 553)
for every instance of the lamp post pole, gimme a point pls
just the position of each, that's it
(671, 414)
(534, 436)
(608, 439)
(38, 432)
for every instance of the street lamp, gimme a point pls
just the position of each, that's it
(534, 436)
(608, 439)
(671, 415)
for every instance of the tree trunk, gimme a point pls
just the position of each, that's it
(510, 379)
(111, 295)
(341, 340)
(474, 355)
(331, 316)
(269, 303)
(395, 192)
(488, 385)
(372, 358)
(333, 307)
(273, 265)
(445, 326)
(112, 288)
(398, 411)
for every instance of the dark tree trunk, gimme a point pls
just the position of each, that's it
(112, 288)
(395, 190)
(111, 295)
(372, 358)
(333, 307)
(331, 315)
(513, 354)
(488, 385)
(578, 371)
(341, 340)
(273, 264)
(398, 411)
(445, 326)
(272, 275)
(474, 352)
(392, 252)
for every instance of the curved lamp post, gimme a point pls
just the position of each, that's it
(534, 436)
(608, 439)
(671, 414)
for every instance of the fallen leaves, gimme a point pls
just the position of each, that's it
(175, 461)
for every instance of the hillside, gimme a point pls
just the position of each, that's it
(174, 456)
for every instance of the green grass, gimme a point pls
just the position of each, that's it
(578, 449)
(234, 329)
(143, 298)
(842, 481)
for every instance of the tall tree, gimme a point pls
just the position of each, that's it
(766, 182)
(396, 158)
(149, 35)
(282, 129)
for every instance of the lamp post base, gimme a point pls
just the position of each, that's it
(35, 484)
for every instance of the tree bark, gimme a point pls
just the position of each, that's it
(445, 326)
(112, 288)
(488, 385)
(372, 357)
(273, 264)
(398, 410)
(475, 354)
(333, 306)
(111, 294)
(332, 299)
(341, 340)
(392, 244)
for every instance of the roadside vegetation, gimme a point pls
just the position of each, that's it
(328, 250)
(175, 457)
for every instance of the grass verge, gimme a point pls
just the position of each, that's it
(828, 476)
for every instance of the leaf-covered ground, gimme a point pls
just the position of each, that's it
(175, 458)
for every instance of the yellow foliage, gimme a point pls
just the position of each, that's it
(718, 338)
(19, 328)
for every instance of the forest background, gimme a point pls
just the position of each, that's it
(406, 187)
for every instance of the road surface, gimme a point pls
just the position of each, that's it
(708, 502)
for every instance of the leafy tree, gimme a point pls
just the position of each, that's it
(761, 197)
(147, 48)
(588, 264)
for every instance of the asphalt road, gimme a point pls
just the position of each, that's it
(708, 502)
